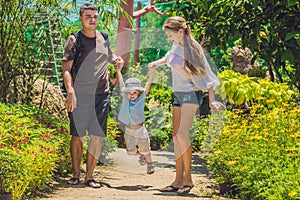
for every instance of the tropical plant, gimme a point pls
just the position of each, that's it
(239, 88)
(258, 154)
(32, 149)
(24, 43)
(269, 28)
(25, 39)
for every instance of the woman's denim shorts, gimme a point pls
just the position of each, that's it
(194, 97)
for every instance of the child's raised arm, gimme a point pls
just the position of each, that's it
(119, 76)
(151, 77)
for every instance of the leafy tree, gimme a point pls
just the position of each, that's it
(269, 28)
(25, 40)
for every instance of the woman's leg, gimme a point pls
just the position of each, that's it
(176, 117)
(183, 150)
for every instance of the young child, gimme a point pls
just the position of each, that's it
(132, 115)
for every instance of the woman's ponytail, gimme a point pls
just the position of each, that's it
(193, 54)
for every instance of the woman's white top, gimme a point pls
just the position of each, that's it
(182, 81)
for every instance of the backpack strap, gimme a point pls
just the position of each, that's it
(106, 42)
(105, 35)
(78, 46)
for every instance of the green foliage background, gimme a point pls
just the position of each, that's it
(257, 153)
(269, 28)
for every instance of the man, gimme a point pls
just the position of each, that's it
(86, 80)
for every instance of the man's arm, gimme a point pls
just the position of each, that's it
(70, 102)
(113, 80)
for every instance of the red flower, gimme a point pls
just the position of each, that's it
(17, 150)
(48, 135)
(25, 140)
(62, 130)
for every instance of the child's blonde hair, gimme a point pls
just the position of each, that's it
(193, 52)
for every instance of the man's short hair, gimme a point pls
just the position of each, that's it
(87, 6)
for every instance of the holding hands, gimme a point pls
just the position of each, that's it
(118, 62)
(151, 8)
(152, 66)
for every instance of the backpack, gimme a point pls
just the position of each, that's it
(78, 46)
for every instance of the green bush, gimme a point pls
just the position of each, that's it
(158, 121)
(240, 88)
(259, 153)
(32, 146)
(110, 142)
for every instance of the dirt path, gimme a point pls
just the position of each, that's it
(123, 179)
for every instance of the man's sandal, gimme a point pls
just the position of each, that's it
(92, 183)
(73, 181)
(185, 189)
(169, 188)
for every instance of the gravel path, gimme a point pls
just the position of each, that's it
(123, 179)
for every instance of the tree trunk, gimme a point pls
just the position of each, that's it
(137, 38)
(123, 42)
(272, 78)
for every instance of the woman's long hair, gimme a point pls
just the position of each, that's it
(193, 52)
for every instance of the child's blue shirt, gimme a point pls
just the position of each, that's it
(132, 112)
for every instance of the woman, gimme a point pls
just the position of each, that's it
(191, 76)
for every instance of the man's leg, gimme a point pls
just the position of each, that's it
(76, 155)
(94, 149)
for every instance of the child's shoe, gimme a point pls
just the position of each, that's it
(150, 168)
(142, 160)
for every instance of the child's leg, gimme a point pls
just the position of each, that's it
(150, 166)
(130, 146)
(148, 158)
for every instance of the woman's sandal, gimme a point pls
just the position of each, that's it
(73, 181)
(186, 189)
(92, 183)
(169, 188)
